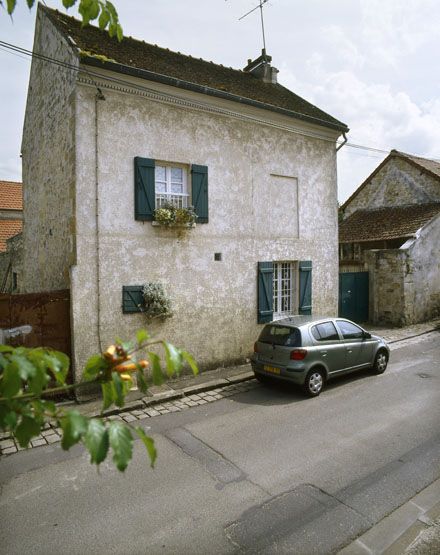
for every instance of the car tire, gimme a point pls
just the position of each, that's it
(380, 362)
(314, 383)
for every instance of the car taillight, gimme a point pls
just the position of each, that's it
(255, 347)
(298, 354)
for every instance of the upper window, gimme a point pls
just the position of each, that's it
(325, 332)
(171, 186)
(285, 289)
(349, 330)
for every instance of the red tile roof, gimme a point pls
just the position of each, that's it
(11, 195)
(9, 228)
(379, 224)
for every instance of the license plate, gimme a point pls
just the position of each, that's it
(272, 369)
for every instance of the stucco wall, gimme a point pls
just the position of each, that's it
(405, 282)
(396, 184)
(48, 159)
(251, 167)
(422, 277)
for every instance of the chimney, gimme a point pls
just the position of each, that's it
(261, 68)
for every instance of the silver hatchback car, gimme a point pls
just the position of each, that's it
(308, 351)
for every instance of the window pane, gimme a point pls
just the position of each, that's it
(350, 331)
(176, 187)
(160, 186)
(160, 174)
(281, 335)
(177, 174)
(327, 332)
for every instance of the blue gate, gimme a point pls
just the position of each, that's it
(353, 296)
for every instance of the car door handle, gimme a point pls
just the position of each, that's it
(349, 350)
(324, 353)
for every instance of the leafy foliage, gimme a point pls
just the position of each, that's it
(169, 215)
(103, 10)
(27, 377)
(157, 304)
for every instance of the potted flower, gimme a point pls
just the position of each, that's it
(169, 215)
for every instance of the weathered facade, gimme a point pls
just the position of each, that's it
(391, 229)
(271, 197)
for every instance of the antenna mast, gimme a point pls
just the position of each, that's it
(260, 5)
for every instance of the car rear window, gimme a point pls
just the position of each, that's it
(280, 335)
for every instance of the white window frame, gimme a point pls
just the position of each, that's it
(285, 289)
(180, 200)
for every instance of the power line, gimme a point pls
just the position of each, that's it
(12, 48)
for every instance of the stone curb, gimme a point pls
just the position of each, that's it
(412, 336)
(386, 533)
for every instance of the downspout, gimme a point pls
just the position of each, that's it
(343, 142)
(98, 96)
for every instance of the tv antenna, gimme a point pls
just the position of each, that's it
(260, 6)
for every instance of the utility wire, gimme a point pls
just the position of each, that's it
(17, 49)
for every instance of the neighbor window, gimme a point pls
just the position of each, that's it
(171, 186)
(285, 289)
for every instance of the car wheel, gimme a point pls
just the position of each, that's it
(314, 383)
(380, 363)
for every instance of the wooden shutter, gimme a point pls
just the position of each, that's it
(265, 292)
(305, 287)
(144, 193)
(132, 298)
(199, 190)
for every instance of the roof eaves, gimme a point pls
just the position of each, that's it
(187, 85)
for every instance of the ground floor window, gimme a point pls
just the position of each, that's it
(285, 289)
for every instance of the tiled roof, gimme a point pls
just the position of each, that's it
(11, 195)
(8, 228)
(432, 167)
(139, 58)
(385, 223)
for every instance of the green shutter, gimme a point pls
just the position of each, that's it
(132, 298)
(199, 190)
(144, 194)
(265, 292)
(305, 287)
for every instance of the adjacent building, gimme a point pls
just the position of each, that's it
(390, 234)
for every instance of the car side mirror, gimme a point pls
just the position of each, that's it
(367, 335)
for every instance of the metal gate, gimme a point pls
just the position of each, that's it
(47, 313)
(353, 296)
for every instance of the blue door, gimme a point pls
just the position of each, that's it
(353, 296)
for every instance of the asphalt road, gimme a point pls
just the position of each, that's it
(265, 471)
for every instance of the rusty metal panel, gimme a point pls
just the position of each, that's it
(49, 315)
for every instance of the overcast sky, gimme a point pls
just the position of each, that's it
(373, 64)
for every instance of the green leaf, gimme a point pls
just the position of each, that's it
(104, 18)
(10, 4)
(158, 378)
(24, 367)
(149, 444)
(141, 336)
(173, 359)
(192, 363)
(38, 382)
(58, 363)
(121, 442)
(10, 383)
(6, 349)
(93, 366)
(108, 396)
(30, 3)
(141, 381)
(27, 429)
(74, 426)
(119, 32)
(118, 388)
(8, 418)
(69, 3)
(96, 440)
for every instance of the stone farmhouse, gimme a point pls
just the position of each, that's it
(113, 130)
(391, 230)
